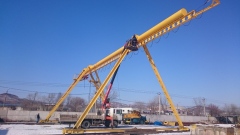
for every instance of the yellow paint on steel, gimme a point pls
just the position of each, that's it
(122, 130)
(115, 55)
(81, 75)
(142, 37)
(97, 84)
(163, 86)
(94, 99)
(214, 3)
(182, 12)
(102, 95)
(82, 131)
(160, 28)
(169, 130)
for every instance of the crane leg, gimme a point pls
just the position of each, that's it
(163, 87)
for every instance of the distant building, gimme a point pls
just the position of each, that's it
(180, 109)
(197, 111)
(126, 110)
(9, 101)
(10, 107)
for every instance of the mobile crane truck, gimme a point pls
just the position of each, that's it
(106, 117)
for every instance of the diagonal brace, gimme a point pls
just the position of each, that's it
(92, 102)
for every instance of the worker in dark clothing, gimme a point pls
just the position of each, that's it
(38, 117)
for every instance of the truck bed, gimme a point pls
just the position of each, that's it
(69, 118)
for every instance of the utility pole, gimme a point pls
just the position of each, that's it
(159, 107)
(204, 111)
(34, 98)
(5, 98)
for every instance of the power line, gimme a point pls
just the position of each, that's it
(172, 95)
(38, 84)
(16, 89)
(66, 85)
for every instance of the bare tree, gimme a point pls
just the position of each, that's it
(67, 103)
(139, 105)
(34, 103)
(164, 103)
(153, 105)
(42, 102)
(234, 109)
(30, 102)
(46, 102)
(32, 96)
(214, 110)
(198, 106)
(50, 100)
(77, 104)
(26, 104)
(113, 95)
(59, 95)
(231, 109)
(238, 111)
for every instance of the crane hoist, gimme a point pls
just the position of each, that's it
(136, 41)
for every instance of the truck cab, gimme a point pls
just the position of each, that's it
(117, 112)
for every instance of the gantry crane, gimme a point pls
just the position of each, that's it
(177, 19)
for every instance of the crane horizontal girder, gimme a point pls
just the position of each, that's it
(170, 23)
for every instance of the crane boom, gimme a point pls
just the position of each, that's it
(177, 19)
(109, 88)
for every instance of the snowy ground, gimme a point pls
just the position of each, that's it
(21, 129)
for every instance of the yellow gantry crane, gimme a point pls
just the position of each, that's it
(177, 19)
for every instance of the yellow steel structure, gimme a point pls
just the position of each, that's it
(100, 90)
(163, 87)
(122, 131)
(172, 22)
(97, 84)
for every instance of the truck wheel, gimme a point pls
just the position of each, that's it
(107, 123)
(85, 124)
(115, 124)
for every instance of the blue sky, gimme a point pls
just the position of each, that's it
(44, 43)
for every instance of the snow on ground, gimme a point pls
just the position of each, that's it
(219, 125)
(22, 129)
